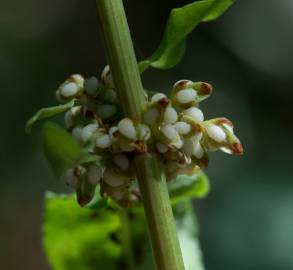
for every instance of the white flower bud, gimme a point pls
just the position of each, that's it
(195, 113)
(107, 77)
(170, 115)
(145, 132)
(70, 178)
(182, 128)
(114, 179)
(178, 143)
(162, 148)
(216, 133)
(169, 132)
(113, 132)
(126, 128)
(69, 89)
(103, 141)
(78, 79)
(68, 119)
(186, 95)
(88, 131)
(229, 128)
(76, 133)
(181, 84)
(151, 116)
(157, 97)
(94, 174)
(122, 162)
(198, 151)
(91, 85)
(188, 146)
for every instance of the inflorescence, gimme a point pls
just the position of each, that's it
(172, 128)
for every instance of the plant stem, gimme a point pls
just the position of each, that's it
(151, 178)
(126, 239)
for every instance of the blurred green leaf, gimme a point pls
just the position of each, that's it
(77, 238)
(188, 233)
(186, 187)
(60, 148)
(46, 113)
(181, 22)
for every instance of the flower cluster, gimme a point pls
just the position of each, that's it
(173, 128)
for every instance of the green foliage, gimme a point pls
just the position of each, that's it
(47, 113)
(187, 230)
(187, 187)
(60, 148)
(181, 22)
(78, 238)
(89, 238)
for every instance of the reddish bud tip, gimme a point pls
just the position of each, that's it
(164, 102)
(237, 149)
(206, 88)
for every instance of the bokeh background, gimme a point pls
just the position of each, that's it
(247, 220)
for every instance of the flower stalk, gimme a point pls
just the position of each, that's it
(151, 178)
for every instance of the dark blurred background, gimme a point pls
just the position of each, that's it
(247, 220)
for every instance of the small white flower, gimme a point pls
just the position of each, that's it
(114, 179)
(94, 174)
(151, 116)
(170, 115)
(88, 131)
(157, 97)
(186, 95)
(195, 113)
(122, 162)
(69, 89)
(162, 148)
(91, 85)
(126, 128)
(169, 131)
(76, 133)
(103, 141)
(216, 133)
(182, 128)
(198, 151)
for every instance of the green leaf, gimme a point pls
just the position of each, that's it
(187, 187)
(46, 113)
(188, 233)
(60, 148)
(181, 22)
(77, 238)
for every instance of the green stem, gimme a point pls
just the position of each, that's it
(151, 178)
(126, 239)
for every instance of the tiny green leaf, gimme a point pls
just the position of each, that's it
(187, 187)
(181, 22)
(46, 113)
(61, 150)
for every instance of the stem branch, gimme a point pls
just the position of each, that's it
(151, 178)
